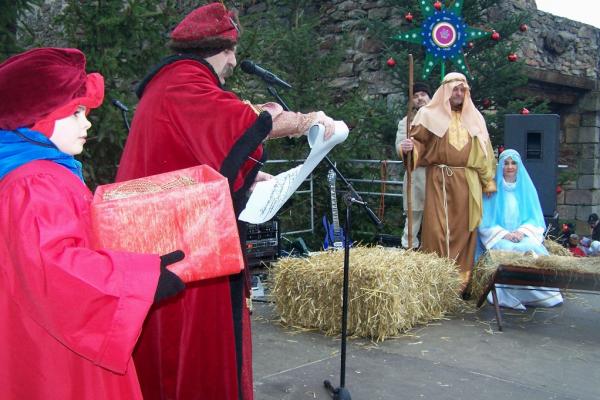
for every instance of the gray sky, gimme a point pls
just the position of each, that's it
(579, 10)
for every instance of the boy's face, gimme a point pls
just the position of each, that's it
(70, 133)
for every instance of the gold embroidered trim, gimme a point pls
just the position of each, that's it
(456, 80)
(458, 136)
(255, 108)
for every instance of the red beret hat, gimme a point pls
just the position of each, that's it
(205, 23)
(42, 85)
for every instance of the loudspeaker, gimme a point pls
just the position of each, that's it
(536, 138)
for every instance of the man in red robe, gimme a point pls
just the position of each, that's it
(70, 315)
(198, 346)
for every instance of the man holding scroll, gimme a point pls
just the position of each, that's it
(198, 346)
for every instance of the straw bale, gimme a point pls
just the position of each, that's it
(390, 290)
(556, 249)
(489, 262)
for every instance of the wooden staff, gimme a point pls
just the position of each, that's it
(408, 165)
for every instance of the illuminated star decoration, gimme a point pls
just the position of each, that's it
(443, 34)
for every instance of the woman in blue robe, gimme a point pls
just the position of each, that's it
(513, 221)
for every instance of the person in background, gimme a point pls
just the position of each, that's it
(574, 246)
(594, 224)
(594, 249)
(70, 315)
(421, 97)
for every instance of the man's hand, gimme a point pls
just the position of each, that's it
(407, 145)
(261, 176)
(321, 118)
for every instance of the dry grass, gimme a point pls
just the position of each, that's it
(390, 291)
(488, 263)
(556, 249)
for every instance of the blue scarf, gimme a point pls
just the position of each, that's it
(529, 207)
(23, 145)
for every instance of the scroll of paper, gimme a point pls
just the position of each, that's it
(269, 196)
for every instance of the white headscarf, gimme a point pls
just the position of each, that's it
(436, 115)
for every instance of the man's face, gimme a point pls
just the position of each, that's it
(420, 99)
(223, 63)
(458, 96)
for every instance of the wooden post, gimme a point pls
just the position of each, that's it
(408, 165)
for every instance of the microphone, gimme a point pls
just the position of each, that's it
(251, 68)
(119, 105)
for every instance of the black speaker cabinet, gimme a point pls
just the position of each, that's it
(262, 243)
(536, 138)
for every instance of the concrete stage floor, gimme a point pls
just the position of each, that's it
(541, 354)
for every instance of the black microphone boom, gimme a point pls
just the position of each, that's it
(119, 105)
(251, 68)
(123, 109)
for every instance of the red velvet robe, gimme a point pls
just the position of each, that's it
(69, 316)
(197, 346)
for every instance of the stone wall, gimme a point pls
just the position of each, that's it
(563, 57)
(563, 64)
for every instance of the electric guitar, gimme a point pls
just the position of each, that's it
(334, 234)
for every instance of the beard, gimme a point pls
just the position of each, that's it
(226, 72)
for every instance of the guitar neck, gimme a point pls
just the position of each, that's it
(334, 210)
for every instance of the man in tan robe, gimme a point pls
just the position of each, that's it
(449, 137)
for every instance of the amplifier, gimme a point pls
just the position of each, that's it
(262, 243)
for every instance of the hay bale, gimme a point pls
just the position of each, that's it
(489, 262)
(390, 290)
(556, 249)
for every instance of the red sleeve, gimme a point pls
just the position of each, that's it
(94, 302)
(215, 123)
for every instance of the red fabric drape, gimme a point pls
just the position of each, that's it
(187, 349)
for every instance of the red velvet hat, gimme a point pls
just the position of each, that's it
(205, 24)
(42, 85)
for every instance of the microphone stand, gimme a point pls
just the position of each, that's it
(125, 120)
(123, 110)
(350, 197)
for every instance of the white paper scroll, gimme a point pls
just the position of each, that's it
(269, 196)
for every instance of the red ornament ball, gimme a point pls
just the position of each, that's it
(486, 103)
(524, 111)
(470, 45)
(408, 17)
(391, 62)
(512, 57)
(501, 149)
(523, 27)
(495, 36)
(558, 189)
(437, 5)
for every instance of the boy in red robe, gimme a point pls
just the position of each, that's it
(198, 346)
(69, 315)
